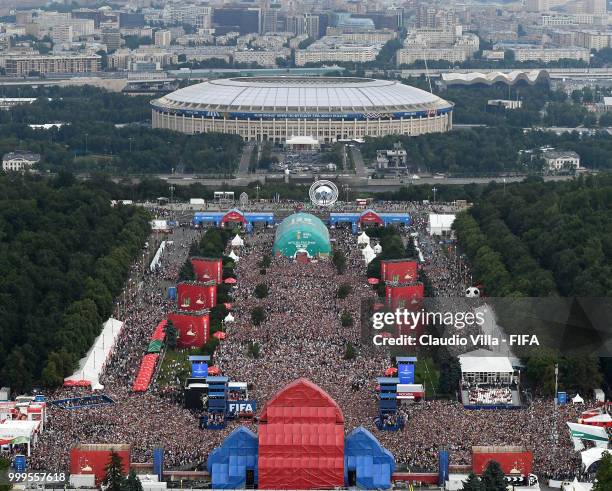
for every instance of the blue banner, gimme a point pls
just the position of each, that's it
(199, 369)
(241, 407)
(562, 398)
(269, 116)
(405, 372)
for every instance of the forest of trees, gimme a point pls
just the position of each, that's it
(109, 132)
(493, 150)
(539, 239)
(64, 256)
(536, 239)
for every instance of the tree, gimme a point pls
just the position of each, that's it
(604, 473)
(350, 352)
(344, 291)
(186, 273)
(346, 319)
(493, 477)
(113, 478)
(4, 467)
(253, 349)
(339, 261)
(132, 483)
(265, 262)
(171, 335)
(261, 290)
(450, 375)
(258, 315)
(473, 483)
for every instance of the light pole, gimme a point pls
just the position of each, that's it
(434, 192)
(171, 188)
(556, 383)
(257, 188)
(347, 189)
(130, 139)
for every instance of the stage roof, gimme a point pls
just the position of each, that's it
(439, 220)
(485, 361)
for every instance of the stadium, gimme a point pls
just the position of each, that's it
(325, 109)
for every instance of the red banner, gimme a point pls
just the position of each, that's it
(196, 296)
(193, 328)
(405, 297)
(511, 460)
(398, 271)
(93, 459)
(207, 269)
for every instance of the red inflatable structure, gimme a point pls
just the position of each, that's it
(398, 271)
(159, 334)
(233, 216)
(193, 327)
(196, 295)
(147, 367)
(301, 439)
(206, 269)
(370, 217)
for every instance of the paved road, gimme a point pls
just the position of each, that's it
(360, 168)
(245, 159)
(356, 183)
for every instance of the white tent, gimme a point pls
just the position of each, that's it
(363, 239)
(600, 418)
(595, 434)
(20, 431)
(157, 257)
(592, 455)
(237, 241)
(440, 224)
(367, 250)
(577, 486)
(90, 367)
(234, 256)
(377, 249)
(368, 254)
(578, 399)
(229, 318)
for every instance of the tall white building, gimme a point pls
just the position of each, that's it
(163, 39)
(62, 34)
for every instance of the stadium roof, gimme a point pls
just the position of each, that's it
(302, 94)
(491, 78)
(484, 361)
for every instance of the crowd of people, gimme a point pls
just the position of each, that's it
(301, 336)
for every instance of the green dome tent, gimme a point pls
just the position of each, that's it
(302, 231)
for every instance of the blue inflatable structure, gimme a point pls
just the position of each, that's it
(367, 464)
(231, 463)
(372, 464)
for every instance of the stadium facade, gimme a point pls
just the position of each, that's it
(327, 109)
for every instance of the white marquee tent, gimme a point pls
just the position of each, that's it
(440, 224)
(363, 239)
(90, 367)
(237, 241)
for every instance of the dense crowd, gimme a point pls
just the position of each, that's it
(301, 336)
